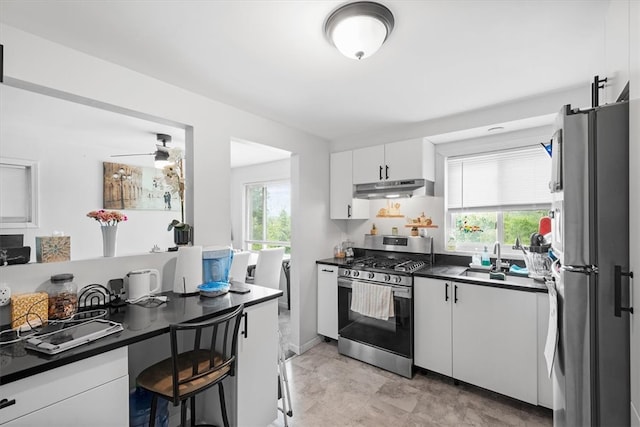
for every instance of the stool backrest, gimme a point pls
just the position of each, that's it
(204, 353)
(239, 266)
(268, 268)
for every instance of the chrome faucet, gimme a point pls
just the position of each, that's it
(496, 250)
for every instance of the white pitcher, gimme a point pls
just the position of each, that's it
(138, 283)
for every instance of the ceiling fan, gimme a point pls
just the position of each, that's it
(161, 155)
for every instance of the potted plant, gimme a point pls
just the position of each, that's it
(182, 232)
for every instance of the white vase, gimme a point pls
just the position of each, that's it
(109, 237)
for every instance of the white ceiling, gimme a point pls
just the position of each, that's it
(271, 58)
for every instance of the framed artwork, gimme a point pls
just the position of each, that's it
(138, 188)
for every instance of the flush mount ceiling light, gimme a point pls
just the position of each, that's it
(359, 29)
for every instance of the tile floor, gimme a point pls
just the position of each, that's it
(328, 389)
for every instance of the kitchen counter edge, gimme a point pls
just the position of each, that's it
(45, 363)
(427, 272)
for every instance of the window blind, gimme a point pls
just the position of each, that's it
(499, 179)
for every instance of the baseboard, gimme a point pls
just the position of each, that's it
(306, 346)
(635, 416)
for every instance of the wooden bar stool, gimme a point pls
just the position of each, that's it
(193, 369)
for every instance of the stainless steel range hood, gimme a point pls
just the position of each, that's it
(394, 189)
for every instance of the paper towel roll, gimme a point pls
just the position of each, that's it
(188, 270)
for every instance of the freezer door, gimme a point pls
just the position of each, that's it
(572, 379)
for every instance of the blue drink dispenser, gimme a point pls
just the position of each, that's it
(216, 263)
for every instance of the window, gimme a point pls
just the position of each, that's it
(268, 217)
(498, 196)
(18, 193)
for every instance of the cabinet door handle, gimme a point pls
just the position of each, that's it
(446, 292)
(6, 402)
(246, 325)
(327, 271)
(348, 211)
(380, 173)
(386, 171)
(455, 293)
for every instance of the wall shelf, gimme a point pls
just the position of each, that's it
(420, 226)
(389, 216)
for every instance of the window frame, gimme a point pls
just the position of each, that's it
(247, 243)
(499, 210)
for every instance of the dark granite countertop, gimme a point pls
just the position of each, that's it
(457, 273)
(139, 323)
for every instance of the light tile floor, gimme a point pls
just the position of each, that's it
(328, 389)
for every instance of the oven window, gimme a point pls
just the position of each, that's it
(394, 334)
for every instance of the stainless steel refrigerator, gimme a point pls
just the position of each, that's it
(590, 237)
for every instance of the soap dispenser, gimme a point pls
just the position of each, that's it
(486, 261)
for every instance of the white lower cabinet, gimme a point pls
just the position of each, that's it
(257, 398)
(482, 335)
(328, 300)
(90, 392)
(432, 325)
(252, 396)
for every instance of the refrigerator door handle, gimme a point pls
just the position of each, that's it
(583, 269)
(617, 291)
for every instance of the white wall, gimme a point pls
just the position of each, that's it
(71, 174)
(543, 104)
(272, 171)
(432, 207)
(42, 62)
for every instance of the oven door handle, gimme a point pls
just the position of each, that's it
(397, 290)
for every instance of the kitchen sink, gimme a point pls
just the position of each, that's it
(484, 275)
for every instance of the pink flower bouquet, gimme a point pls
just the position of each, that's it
(107, 217)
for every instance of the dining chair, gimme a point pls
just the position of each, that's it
(194, 368)
(268, 266)
(239, 266)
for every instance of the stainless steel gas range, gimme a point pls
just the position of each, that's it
(387, 266)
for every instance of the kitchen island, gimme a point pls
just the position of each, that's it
(38, 386)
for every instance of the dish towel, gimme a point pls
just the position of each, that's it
(372, 300)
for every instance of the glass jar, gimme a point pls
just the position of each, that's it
(63, 297)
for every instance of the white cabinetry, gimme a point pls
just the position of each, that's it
(252, 395)
(495, 339)
(93, 391)
(343, 205)
(481, 335)
(409, 159)
(328, 301)
(432, 319)
(257, 396)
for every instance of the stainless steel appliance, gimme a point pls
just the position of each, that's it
(389, 262)
(590, 236)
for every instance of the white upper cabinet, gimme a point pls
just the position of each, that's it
(343, 205)
(411, 159)
(368, 164)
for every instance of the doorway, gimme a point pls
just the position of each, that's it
(260, 203)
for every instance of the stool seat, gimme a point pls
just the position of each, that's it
(158, 378)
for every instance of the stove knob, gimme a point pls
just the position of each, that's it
(397, 279)
(355, 273)
(370, 275)
(387, 277)
(346, 272)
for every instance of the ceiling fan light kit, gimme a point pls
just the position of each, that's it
(359, 29)
(161, 158)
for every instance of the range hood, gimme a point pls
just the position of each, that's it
(394, 189)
